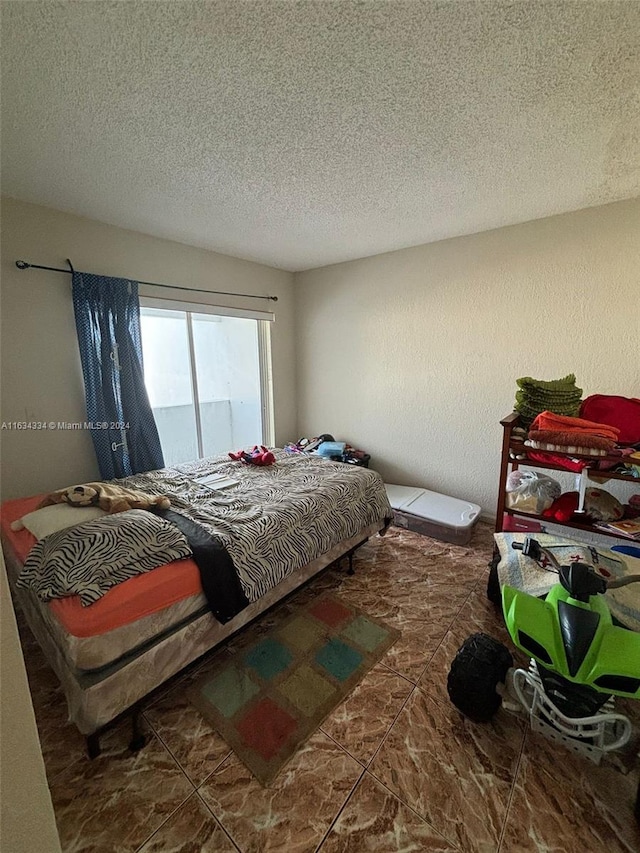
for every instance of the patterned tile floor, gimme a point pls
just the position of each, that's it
(394, 768)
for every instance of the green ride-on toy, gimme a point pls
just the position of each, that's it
(579, 661)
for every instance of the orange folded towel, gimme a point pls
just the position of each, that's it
(571, 439)
(561, 423)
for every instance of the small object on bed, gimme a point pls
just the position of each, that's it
(432, 514)
(216, 481)
(109, 496)
(258, 455)
(331, 449)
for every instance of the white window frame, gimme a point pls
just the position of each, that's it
(264, 320)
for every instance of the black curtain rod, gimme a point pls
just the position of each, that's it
(23, 265)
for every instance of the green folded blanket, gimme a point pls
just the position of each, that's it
(560, 396)
(567, 384)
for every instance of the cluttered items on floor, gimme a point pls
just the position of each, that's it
(573, 610)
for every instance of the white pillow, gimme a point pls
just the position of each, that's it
(50, 519)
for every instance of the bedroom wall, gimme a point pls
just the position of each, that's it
(41, 373)
(26, 812)
(413, 355)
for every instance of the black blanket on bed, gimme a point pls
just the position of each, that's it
(220, 582)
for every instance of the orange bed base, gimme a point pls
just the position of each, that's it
(125, 603)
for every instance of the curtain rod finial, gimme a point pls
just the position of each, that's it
(273, 298)
(22, 265)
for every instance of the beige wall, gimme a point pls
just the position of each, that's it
(41, 373)
(413, 355)
(26, 810)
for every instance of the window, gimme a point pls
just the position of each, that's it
(208, 376)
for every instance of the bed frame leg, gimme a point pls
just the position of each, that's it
(93, 745)
(350, 554)
(138, 738)
(351, 570)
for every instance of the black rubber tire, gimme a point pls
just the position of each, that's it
(479, 666)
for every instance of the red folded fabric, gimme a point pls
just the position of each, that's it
(620, 412)
(561, 423)
(571, 439)
(576, 465)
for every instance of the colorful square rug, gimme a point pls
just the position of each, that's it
(268, 699)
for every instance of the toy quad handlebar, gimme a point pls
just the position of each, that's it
(578, 579)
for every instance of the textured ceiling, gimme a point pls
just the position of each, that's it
(301, 134)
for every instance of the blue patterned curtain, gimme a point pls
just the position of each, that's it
(107, 314)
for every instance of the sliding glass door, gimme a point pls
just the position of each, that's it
(207, 376)
(169, 381)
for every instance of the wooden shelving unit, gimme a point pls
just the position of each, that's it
(514, 447)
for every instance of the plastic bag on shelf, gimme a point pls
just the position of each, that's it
(529, 491)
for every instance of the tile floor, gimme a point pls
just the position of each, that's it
(394, 768)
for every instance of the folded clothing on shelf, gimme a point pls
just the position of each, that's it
(563, 434)
(576, 449)
(557, 395)
(571, 439)
(575, 465)
(550, 421)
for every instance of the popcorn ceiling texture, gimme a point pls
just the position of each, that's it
(301, 134)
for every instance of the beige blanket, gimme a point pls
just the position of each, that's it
(524, 573)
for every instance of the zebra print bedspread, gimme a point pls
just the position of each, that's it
(278, 518)
(90, 558)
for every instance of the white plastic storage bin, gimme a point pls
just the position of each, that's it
(432, 514)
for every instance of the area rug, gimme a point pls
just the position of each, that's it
(267, 699)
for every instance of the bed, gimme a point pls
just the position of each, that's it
(275, 526)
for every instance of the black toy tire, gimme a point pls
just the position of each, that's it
(479, 666)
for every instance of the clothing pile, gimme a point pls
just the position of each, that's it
(551, 434)
(560, 396)
(572, 435)
(607, 426)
